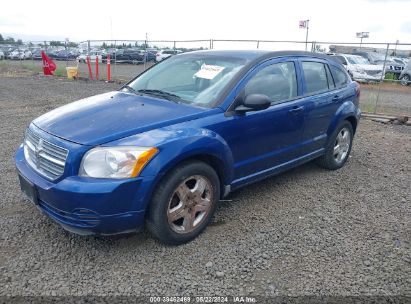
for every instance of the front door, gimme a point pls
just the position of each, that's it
(263, 140)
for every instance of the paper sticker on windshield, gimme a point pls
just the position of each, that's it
(208, 71)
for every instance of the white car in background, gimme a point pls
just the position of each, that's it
(93, 56)
(359, 68)
(163, 54)
(20, 54)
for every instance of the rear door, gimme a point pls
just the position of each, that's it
(323, 94)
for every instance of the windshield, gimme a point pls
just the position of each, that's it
(380, 58)
(357, 60)
(195, 79)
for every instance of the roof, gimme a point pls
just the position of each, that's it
(258, 54)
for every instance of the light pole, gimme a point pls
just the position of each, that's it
(395, 50)
(362, 35)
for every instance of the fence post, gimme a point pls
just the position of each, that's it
(65, 48)
(211, 44)
(174, 46)
(108, 68)
(88, 47)
(258, 44)
(382, 78)
(115, 57)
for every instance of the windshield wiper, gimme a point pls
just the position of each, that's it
(160, 93)
(130, 89)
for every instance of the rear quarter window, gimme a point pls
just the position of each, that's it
(340, 77)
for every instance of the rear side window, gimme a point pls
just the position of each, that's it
(315, 76)
(331, 84)
(278, 81)
(340, 77)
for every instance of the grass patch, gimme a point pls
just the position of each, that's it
(60, 72)
(367, 107)
(31, 67)
(390, 76)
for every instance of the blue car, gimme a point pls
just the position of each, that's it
(164, 149)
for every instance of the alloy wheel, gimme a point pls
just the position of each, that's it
(190, 204)
(342, 145)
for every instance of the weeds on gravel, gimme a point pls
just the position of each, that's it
(31, 67)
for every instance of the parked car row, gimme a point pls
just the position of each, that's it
(359, 68)
(129, 55)
(373, 66)
(391, 66)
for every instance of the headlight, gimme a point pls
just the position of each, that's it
(115, 162)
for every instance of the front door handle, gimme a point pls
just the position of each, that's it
(296, 110)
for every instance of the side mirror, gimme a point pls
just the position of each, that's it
(254, 102)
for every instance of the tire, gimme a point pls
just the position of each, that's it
(335, 158)
(405, 80)
(170, 213)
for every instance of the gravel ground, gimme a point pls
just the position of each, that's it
(306, 232)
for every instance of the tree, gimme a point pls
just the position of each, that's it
(319, 49)
(56, 43)
(19, 41)
(9, 40)
(1, 39)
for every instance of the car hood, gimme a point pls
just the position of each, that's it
(114, 115)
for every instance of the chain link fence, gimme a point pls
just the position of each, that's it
(383, 69)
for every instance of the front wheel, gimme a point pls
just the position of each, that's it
(405, 80)
(338, 148)
(183, 203)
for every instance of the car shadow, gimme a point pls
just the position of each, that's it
(236, 198)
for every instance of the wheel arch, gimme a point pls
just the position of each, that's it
(354, 122)
(347, 111)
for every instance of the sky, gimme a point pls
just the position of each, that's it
(330, 20)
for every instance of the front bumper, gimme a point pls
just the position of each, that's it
(364, 77)
(90, 206)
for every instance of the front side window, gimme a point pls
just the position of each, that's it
(315, 76)
(277, 81)
(194, 79)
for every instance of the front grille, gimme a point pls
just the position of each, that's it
(373, 72)
(46, 158)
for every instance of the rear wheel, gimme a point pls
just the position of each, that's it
(183, 203)
(339, 147)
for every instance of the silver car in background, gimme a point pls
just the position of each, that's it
(359, 68)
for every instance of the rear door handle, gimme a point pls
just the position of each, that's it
(336, 98)
(296, 110)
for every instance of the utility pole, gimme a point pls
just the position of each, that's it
(305, 24)
(395, 50)
(306, 35)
